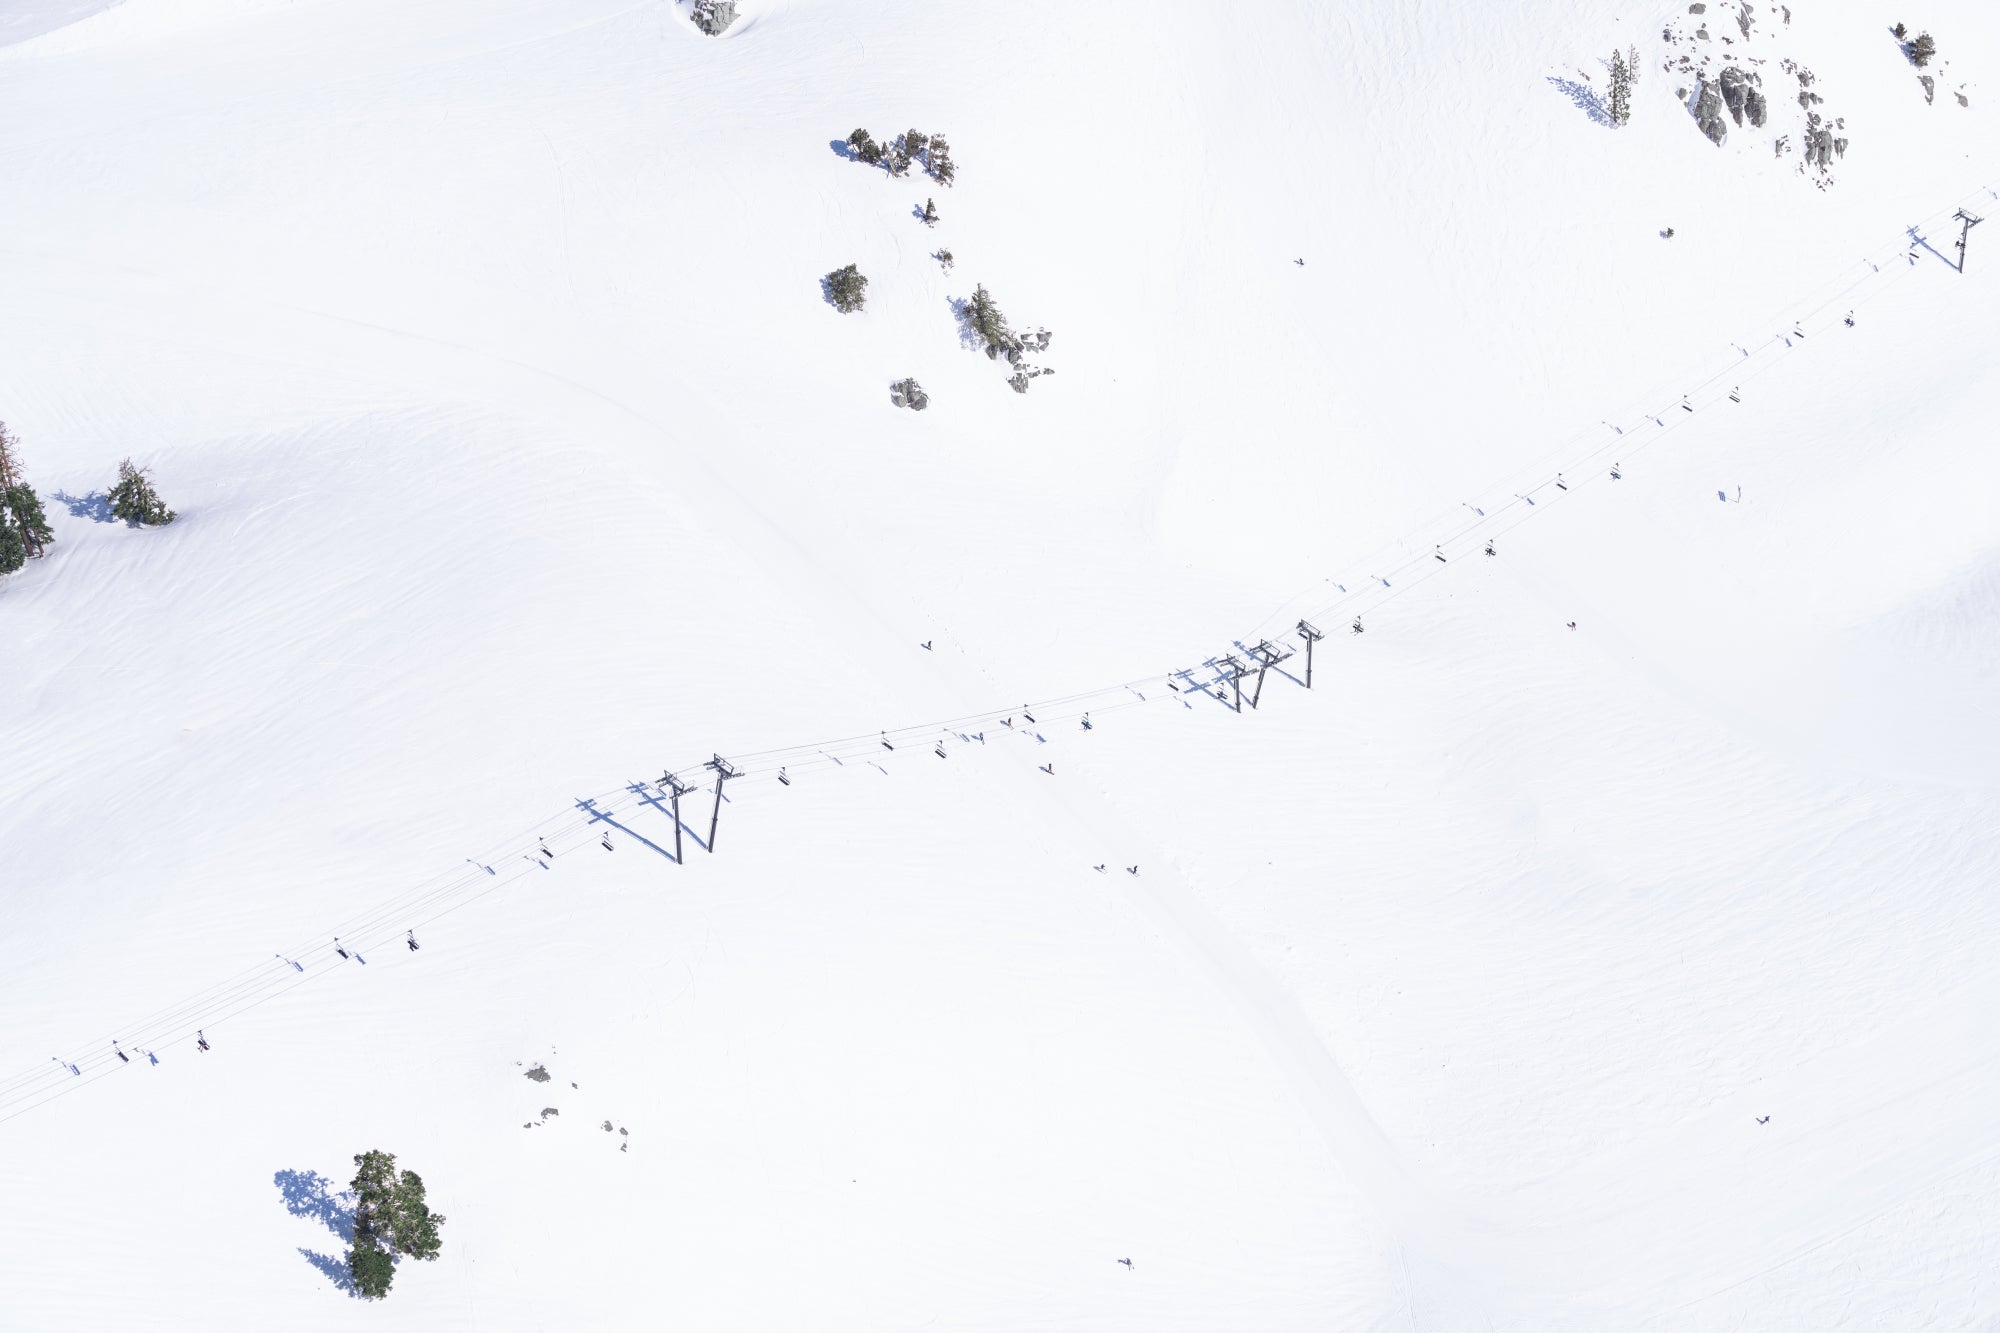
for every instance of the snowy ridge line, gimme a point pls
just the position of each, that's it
(1533, 487)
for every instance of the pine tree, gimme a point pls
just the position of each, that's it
(930, 213)
(937, 160)
(846, 288)
(1922, 50)
(416, 1226)
(134, 499)
(12, 554)
(983, 317)
(865, 147)
(390, 1218)
(20, 508)
(1621, 89)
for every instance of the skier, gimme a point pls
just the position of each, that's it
(1049, 769)
(927, 645)
(1850, 319)
(1301, 263)
(414, 946)
(1131, 870)
(1357, 624)
(1098, 868)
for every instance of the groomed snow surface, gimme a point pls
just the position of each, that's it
(480, 347)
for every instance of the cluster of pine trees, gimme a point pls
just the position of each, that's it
(930, 151)
(390, 1219)
(24, 528)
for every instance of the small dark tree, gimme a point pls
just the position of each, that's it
(847, 289)
(1900, 32)
(915, 142)
(930, 214)
(1922, 50)
(12, 554)
(937, 160)
(1621, 89)
(865, 147)
(20, 508)
(944, 259)
(134, 499)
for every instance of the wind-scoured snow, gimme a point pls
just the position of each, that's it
(481, 349)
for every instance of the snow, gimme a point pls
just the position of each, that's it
(481, 350)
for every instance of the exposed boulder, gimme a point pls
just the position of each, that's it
(1708, 113)
(1754, 107)
(1734, 84)
(908, 393)
(714, 16)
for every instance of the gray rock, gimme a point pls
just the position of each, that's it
(1697, 8)
(1019, 383)
(1930, 87)
(714, 16)
(908, 393)
(1753, 107)
(1708, 113)
(1734, 85)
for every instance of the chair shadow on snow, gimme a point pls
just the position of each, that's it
(311, 1195)
(1586, 98)
(95, 506)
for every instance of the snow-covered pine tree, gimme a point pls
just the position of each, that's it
(1621, 89)
(20, 508)
(134, 499)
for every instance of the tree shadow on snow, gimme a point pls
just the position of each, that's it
(334, 1267)
(1584, 97)
(311, 1195)
(95, 506)
(841, 148)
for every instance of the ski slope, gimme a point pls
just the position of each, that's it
(481, 350)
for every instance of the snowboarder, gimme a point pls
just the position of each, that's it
(412, 941)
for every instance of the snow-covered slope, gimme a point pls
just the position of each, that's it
(481, 349)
